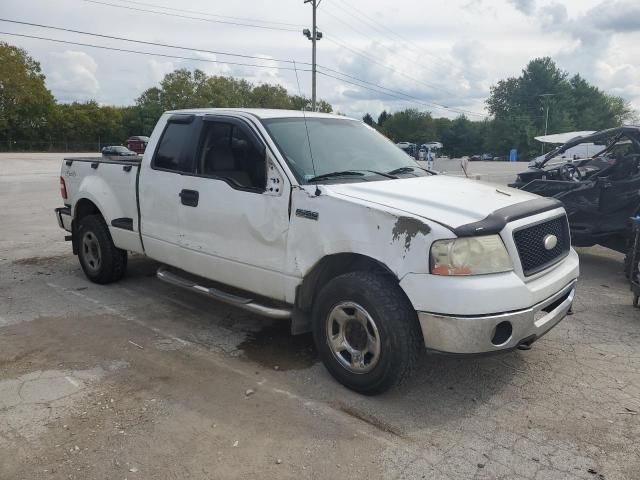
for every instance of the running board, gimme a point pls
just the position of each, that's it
(247, 304)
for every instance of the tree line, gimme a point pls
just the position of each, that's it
(518, 107)
(32, 119)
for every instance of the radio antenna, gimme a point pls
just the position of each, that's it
(306, 127)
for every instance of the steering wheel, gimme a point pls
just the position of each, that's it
(570, 172)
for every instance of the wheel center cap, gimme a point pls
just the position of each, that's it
(356, 335)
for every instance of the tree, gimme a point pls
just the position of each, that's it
(520, 106)
(270, 96)
(409, 125)
(368, 119)
(463, 137)
(383, 117)
(149, 108)
(25, 101)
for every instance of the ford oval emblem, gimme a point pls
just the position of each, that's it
(550, 242)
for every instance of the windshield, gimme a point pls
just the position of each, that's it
(337, 145)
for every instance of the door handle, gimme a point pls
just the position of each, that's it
(189, 198)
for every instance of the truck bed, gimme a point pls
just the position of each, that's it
(109, 183)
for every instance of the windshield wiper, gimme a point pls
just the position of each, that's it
(407, 170)
(346, 173)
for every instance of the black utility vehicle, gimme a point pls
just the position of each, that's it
(600, 191)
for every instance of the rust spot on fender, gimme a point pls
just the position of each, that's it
(409, 227)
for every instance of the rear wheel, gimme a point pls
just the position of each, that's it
(366, 332)
(100, 259)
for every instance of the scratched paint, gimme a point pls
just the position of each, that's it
(409, 227)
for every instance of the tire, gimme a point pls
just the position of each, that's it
(101, 261)
(366, 314)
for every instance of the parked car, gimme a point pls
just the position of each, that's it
(320, 220)
(117, 151)
(600, 192)
(475, 158)
(410, 149)
(138, 143)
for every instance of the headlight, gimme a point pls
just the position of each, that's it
(470, 256)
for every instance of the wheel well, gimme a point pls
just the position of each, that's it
(83, 208)
(330, 267)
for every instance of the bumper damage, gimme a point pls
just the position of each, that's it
(489, 333)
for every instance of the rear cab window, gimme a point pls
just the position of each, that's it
(175, 148)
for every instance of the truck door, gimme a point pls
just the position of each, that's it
(236, 234)
(161, 190)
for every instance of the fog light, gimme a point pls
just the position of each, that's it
(502, 333)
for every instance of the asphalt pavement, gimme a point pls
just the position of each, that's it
(141, 380)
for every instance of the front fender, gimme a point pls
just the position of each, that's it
(325, 225)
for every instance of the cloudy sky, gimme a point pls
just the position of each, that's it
(444, 55)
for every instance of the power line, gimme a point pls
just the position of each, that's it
(429, 104)
(363, 54)
(355, 51)
(124, 50)
(243, 19)
(434, 105)
(237, 24)
(411, 61)
(360, 15)
(405, 97)
(284, 29)
(143, 42)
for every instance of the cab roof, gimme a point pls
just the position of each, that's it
(262, 113)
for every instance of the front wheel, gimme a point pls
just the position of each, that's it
(100, 259)
(366, 332)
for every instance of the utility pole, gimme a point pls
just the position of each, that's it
(545, 96)
(314, 36)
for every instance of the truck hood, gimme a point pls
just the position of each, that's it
(451, 201)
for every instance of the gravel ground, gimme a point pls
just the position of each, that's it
(140, 380)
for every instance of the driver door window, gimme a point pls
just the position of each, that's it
(226, 152)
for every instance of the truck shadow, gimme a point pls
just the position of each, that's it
(443, 386)
(445, 389)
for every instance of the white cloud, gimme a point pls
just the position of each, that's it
(525, 6)
(456, 50)
(73, 76)
(158, 69)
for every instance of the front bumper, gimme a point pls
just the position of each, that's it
(63, 215)
(489, 333)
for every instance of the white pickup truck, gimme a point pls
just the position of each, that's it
(320, 220)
